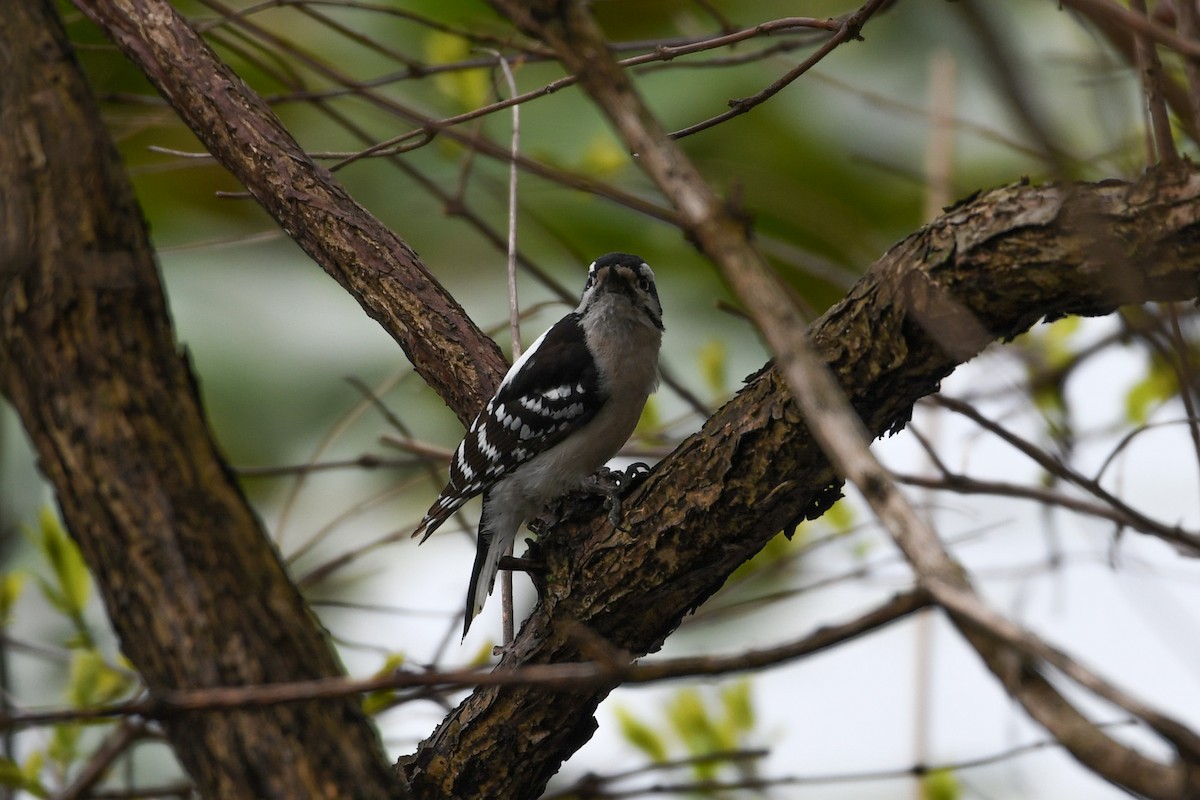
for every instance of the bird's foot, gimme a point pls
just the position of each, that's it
(609, 484)
(613, 484)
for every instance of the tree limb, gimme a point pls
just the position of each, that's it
(954, 326)
(985, 271)
(371, 262)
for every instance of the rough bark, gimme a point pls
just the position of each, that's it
(194, 589)
(985, 271)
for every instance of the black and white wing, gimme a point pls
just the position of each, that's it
(553, 389)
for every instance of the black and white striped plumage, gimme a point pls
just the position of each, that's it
(564, 409)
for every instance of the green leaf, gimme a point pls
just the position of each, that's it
(650, 422)
(64, 744)
(739, 705)
(483, 655)
(690, 718)
(73, 584)
(774, 554)
(393, 662)
(93, 681)
(602, 157)
(839, 517)
(1159, 385)
(467, 87)
(24, 777)
(383, 699)
(378, 701)
(1055, 341)
(940, 784)
(10, 590)
(10, 774)
(33, 765)
(714, 358)
(641, 736)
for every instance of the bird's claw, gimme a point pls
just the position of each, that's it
(613, 484)
(635, 475)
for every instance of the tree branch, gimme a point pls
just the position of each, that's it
(985, 271)
(375, 265)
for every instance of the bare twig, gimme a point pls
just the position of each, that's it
(848, 29)
(114, 744)
(1151, 69)
(1137, 520)
(514, 315)
(566, 677)
(1189, 28)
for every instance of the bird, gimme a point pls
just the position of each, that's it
(563, 409)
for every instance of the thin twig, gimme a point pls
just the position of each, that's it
(514, 316)
(848, 29)
(561, 676)
(1189, 28)
(1138, 521)
(1151, 69)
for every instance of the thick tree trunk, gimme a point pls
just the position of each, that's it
(193, 587)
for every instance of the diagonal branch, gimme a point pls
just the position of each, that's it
(1008, 259)
(375, 265)
(932, 317)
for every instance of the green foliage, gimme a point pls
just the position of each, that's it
(94, 682)
(1056, 341)
(11, 585)
(483, 655)
(1160, 384)
(70, 586)
(24, 776)
(468, 88)
(775, 556)
(839, 517)
(1050, 351)
(649, 426)
(780, 552)
(940, 784)
(92, 679)
(714, 366)
(382, 699)
(738, 702)
(602, 158)
(63, 750)
(718, 723)
(641, 735)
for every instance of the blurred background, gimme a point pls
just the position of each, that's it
(342, 448)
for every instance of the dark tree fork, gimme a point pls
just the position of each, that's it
(192, 584)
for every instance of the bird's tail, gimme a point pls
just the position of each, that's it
(496, 534)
